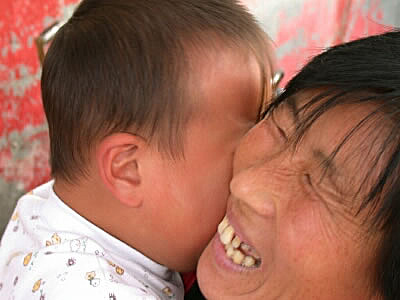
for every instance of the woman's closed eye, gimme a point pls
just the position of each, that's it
(312, 191)
(310, 186)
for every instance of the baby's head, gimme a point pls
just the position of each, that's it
(146, 102)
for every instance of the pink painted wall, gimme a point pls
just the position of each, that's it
(300, 28)
(23, 130)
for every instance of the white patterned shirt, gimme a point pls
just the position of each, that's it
(49, 252)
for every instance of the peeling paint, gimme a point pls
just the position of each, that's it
(20, 79)
(324, 23)
(10, 192)
(47, 21)
(4, 51)
(30, 42)
(15, 43)
(29, 149)
(67, 11)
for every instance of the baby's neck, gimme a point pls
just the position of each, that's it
(93, 201)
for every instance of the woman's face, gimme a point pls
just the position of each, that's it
(291, 230)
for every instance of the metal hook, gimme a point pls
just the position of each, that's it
(45, 37)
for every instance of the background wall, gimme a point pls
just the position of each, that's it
(300, 29)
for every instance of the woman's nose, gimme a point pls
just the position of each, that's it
(262, 168)
(252, 187)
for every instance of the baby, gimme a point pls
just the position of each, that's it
(146, 102)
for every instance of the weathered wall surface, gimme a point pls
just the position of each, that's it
(23, 130)
(300, 28)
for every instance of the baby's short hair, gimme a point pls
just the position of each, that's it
(122, 65)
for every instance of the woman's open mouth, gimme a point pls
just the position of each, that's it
(239, 252)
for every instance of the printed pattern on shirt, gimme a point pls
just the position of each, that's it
(38, 262)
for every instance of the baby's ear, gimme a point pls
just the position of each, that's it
(118, 159)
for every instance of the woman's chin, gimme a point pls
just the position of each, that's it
(209, 272)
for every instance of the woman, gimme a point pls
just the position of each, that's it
(314, 210)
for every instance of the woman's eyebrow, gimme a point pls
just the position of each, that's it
(326, 162)
(293, 110)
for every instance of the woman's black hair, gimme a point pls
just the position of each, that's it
(365, 71)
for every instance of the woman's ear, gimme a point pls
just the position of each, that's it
(118, 159)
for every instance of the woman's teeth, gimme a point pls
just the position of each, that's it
(235, 249)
